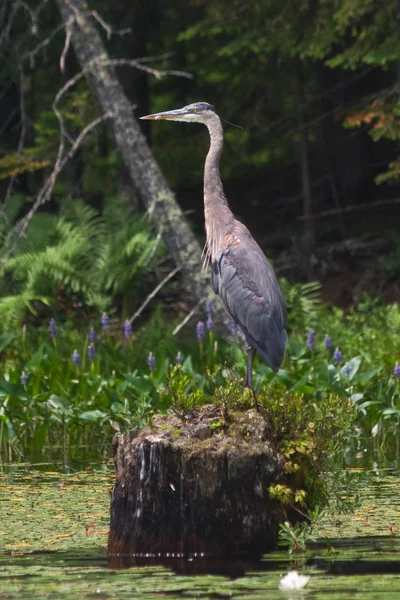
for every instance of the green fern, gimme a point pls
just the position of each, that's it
(303, 301)
(13, 309)
(93, 255)
(393, 317)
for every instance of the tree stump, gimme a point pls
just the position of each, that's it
(196, 485)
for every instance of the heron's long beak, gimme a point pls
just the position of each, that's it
(168, 114)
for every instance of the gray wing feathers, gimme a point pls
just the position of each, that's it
(248, 287)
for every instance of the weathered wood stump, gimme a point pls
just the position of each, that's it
(195, 485)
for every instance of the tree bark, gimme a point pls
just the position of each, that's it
(309, 222)
(184, 488)
(146, 176)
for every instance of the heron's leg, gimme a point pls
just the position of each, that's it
(249, 372)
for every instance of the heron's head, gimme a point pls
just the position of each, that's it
(199, 112)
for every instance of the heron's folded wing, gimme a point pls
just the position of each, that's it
(253, 297)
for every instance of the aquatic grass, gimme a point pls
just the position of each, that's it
(118, 381)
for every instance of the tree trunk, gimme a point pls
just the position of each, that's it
(157, 197)
(183, 487)
(309, 222)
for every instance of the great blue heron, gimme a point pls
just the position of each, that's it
(241, 273)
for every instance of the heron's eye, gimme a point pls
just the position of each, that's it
(194, 109)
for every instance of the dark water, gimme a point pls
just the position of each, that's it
(53, 538)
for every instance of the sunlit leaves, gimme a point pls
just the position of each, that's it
(12, 165)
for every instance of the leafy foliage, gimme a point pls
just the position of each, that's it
(14, 164)
(91, 257)
(296, 537)
(314, 398)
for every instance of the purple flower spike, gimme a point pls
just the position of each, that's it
(104, 321)
(23, 378)
(179, 359)
(396, 370)
(127, 330)
(337, 356)
(92, 334)
(76, 358)
(209, 323)
(151, 361)
(311, 339)
(200, 332)
(91, 352)
(52, 328)
(327, 342)
(209, 308)
(346, 369)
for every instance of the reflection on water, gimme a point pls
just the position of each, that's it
(53, 536)
(367, 555)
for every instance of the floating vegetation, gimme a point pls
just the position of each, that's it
(53, 536)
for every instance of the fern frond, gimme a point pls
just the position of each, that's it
(14, 308)
(393, 317)
(93, 254)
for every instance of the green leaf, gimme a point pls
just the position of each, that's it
(5, 340)
(143, 385)
(59, 403)
(354, 365)
(12, 389)
(92, 415)
(367, 375)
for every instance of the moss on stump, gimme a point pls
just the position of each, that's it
(196, 483)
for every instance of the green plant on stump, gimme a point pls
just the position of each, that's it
(310, 435)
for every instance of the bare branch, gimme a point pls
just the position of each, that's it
(154, 248)
(7, 121)
(32, 53)
(113, 62)
(21, 139)
(154, 293)
(186, 319)
(47, 189)
(104, 25)
(6, 31)
(45, 192)
(145, 59)
(34, 18)
(283, 119)
(68, 33)
(32, 14)
(107, 27)
(139, 65)
(353, 207)
(83, 134)
(109, 30)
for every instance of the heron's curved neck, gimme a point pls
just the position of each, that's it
(218, 216)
